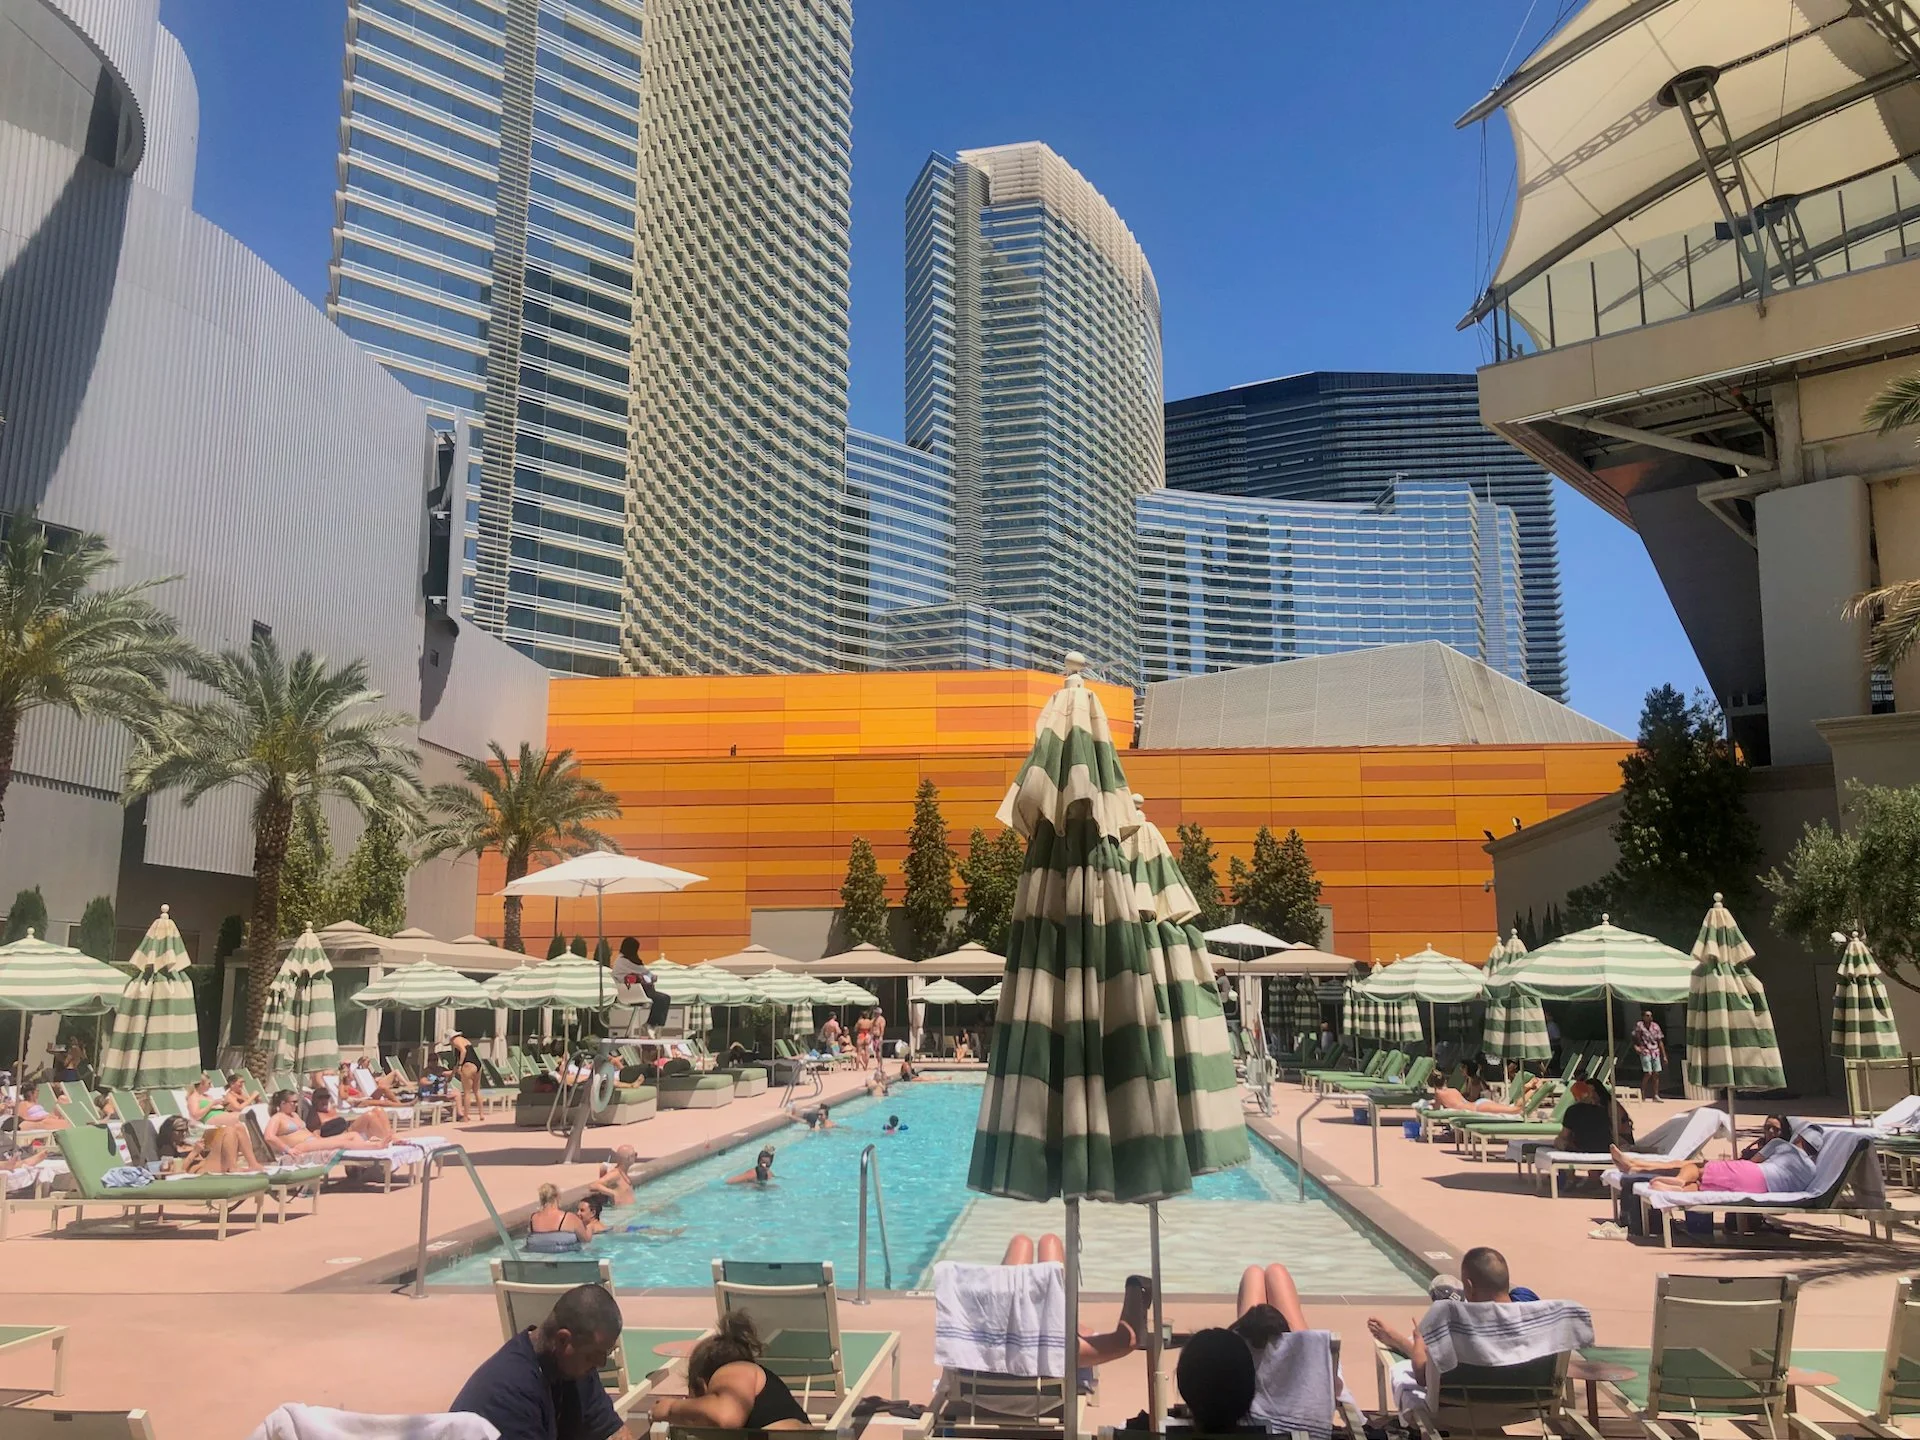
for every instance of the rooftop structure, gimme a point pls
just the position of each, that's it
(1424, 694)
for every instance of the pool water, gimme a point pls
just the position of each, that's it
(810, 1212)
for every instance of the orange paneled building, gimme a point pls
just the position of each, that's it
(762, 782)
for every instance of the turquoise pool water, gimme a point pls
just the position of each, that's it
(810, 1212)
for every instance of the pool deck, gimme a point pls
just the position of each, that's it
(289, 1314)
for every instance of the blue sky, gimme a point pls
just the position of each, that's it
(1292, 172)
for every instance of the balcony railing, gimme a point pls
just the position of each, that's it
(1801, 239)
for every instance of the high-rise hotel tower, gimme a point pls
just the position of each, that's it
(1033, 370)
(483, 252)
(738, 454)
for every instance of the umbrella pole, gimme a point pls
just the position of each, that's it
(1611, 1062)
(1070, 1421)
(1156, 1382)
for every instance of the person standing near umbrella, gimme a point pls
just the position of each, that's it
(1650, 1044)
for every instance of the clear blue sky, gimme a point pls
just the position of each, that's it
(1292, 172)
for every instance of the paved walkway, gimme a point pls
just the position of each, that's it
(256, 1321)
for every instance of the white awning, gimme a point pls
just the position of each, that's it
(1812, 91)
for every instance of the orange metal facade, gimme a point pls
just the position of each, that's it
(1395, 832)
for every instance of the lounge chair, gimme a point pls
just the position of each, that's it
(54, 1337)
(23, 1424)
(1483, 1400)
(1875, 1389)
(1404, 1091)
(403, 1155)
(682, 1088)
(1846, 1157)
(978, 1391)
(1476, 1137)
(1722, 1347)
(89, 1153)
(796, 1310)
(1681, 1137)
(1373, 1070)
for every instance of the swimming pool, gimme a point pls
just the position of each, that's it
(811, 1213)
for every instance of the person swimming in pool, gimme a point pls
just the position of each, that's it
(893, 1126)
(760, 1174)
(820, 1120)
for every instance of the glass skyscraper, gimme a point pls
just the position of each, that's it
(735, 561)
(1033, 373)
(1227, 581)
(1344, 436)
(483, 251)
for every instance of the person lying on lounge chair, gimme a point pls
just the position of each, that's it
(1128, 1331)
(372, 1126)
(29, 1116)
(1445, 1097)
(1782, 1166)
(287, 1136)
(360, 1087)
(206, 1108)
(220, 1150)
(1585, 1128)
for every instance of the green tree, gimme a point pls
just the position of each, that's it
(579, 946)
(96, 937)
(991, 873)
(556, 946)
(863, 897)
(371, 887)
(28, 912)
(1278, 891)
(602, 952)
(1861, 877)
(288, 732)
(306, 875)
(1683, 832)
(1196, 865)
(535, 806)
(928, 901)
(68, 644)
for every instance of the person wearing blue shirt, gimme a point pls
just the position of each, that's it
(544, 1384)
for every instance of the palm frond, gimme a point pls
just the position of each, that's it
(1897, 405)
(1894, 611)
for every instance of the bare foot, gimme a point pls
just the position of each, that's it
(1619, 1157)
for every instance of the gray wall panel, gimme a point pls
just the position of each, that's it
(173, 124)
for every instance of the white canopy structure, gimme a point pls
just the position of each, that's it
(1808, 94)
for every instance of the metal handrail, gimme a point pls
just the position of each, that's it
(801, 1071)
(428, 1163)
(870, 1164)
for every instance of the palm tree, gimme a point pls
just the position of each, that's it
(292, 733)
(1894, 610)
(528, 808)
(69, 646)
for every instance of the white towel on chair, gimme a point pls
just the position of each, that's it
(316, 1422)
(1004, 1319)
(1470, 1332)
(1294, 1385)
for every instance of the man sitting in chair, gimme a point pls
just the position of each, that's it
(1483, 1279)
(544, 1384)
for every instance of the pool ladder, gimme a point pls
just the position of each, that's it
(432, 1161)
(870, 1166)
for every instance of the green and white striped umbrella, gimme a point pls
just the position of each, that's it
(1516, 1023)
(1303, 1005)
(43, 979)
(988, 996)
(846, 992)
(1080, 1099)
(783, 987)
(307, 1038)
(1863, 1027)
(424, 985)
(1360, 1016)
(1212, 1122)
(1730, 1040)
(155, 1042)
(569, 982)
(947, 992)
(1601, 961)
(1427, 975)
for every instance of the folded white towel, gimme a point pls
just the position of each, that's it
(1294, 1385)
(1470, 1332)
(316, 1422)
(1004, 1319)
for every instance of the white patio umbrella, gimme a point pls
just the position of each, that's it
(1249, 937)
(601, 873)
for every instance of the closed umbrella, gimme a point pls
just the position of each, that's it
(155, 1042)
(1863, 1027)
(1360, 1016)
(308, 1037)
(1208, 1092)
(1516, 1024)
(1730, 1039)
(1080, 1099)
(1303, 1008)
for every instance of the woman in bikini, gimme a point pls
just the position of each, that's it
(220, 1150)
(466, 1070)
(287, 1136)
(550, 1219)
(206, 1108)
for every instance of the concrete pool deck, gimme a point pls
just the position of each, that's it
(265, 1318)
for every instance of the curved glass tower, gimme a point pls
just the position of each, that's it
(1033, 369)
(737, 462)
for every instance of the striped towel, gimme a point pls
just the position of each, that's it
(1469, 1332)
(1003, 1319)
